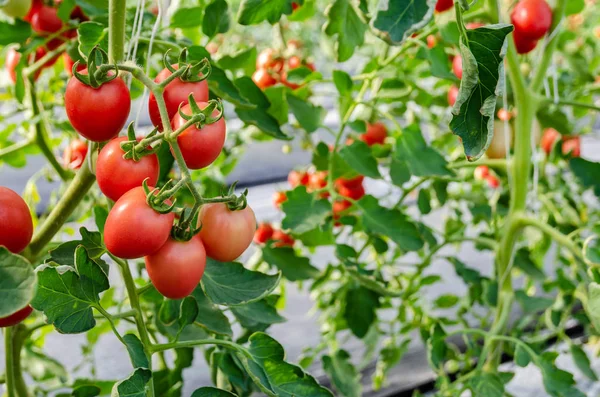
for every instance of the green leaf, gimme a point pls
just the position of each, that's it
(216, 18)
(91, 34)
(358, 155)
(278, 106)
(304, 211)
(556, 381)
(524, 262)
(212, 392)
(401, 18)
(17, 32)
(100, 215)
(17, 282)
(343, 22)
(468, 275)
(574, 7)
(583, 362)
(134, 385)
(293, 267)
(257, 315)
(586, 172)
(64, 254)
(473, 113)
(418, 157)
(230, 284)
(220, 84)
(360, 309)
(309, 116)
(255, 11)
(522, 357)
(593, 305)
(210, 317)
(244, 59)
(371, 283)
(322, 235)
(487, 384)
(343, 82)
(554, 117)
(135, 348)
(532, 304)
(87, 391)
(391, 223)
(64, 10)
(424, 201)
(188, 313)
(187, 17)
(263, 121)
(342, 373)
(66, 295)
(399, 172)
(446, 301)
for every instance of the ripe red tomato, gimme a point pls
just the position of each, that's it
(352, 193)
(376, 133)
(98, 114)
(296, 178)
(350, 183)
(74, 154)
(523, 44)
(263, 233)
(177, 267)
(45, 20)
(444, 5)
(294, 62)
(69, 62)
(282, 239)
(295, 6)
(481, 172)
(318, 180)
(504, 114)
(266, 59)
(263, 79)
(549, 137)
(15, 220)
(457, 66)
(452, 95)
(200, 147)
(492, 181)
(339, 207)
(35, 6)
(133, 229)
(279, 198)
(532, 18)
(572, 146)
(13, 57)
(16, 318)
(226, 234)
(116, 175)
(431, 41)
(175, 94)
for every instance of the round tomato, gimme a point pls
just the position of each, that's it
(16, 318)
(35, 6)
(16, 8)
(457, 66)
(282, 239)
(572, 146)
(350, 183)
(294, 62)
(452, 95)
(523, 44)
(376, 133)
(318, 180)
(279, 198)
(431, 41)
(117, 175)
(176, 93)
(443, 5)
(133, 229)
(504, 115)
(492, 181)
(15, 220)
(98, 114)
(263, 233)
(296, 178)
(549, 137)
(532, 18)
(339, 207)
(263, 79)
(69, 62)
(225, 233)
(45, 20)
(200, 147)
(74, 154)
(177, 267)
(481, 172)
(355, 193)
(267, 60)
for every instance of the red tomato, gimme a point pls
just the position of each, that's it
(74, 154)
(133, 229)
(12, 60)
(350, 183)
(523, 44)
(69, 62)
(175, 94)
(294, 62)
(492, 181)
(549, 137)
(352, 193)
(572, 146)
(177, 267)
(263, 233)
(504, 114)
(282, 239)
(339, 207)
(35, 6)
(116, 175)
(376, 133)
(98, 114)
(45, 20)
(295, 6)
(279, 198)
(452, 95)
(532, 18)
(481, 172)
(200, 147)
(265, 59)
(263, 79)
(457, 66)
(226, 234)
(318, 180)
(444, 5)
(15, 220)
(296, 178)
(431, 41)
(16, 317)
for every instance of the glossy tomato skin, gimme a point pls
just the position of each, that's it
(532, 18)
(74, 154)
(177, 267)
(279, 198)
(452, 95)
(296, 178)
(16, 225)
(282, 239)
(200, 147)
(523, 44)
(444, 5)
(376, 133)
(45, 20)
(98, 114)
(16, 8)
(457, 67)
(350, 183)
(263, 234)
(548, 138)
(133, 229)
(116, 175)
(16, 318)
(35, 6)
(175, 94)
(263, 79)
(226, 234)
(353, 193)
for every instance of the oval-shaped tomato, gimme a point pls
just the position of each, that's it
(444, 5)
(279, 198)
(98, 114)
(282, 239)
(263, 79)
(16, 318)
(263, 233)
(16, 225)
(481, 172)
(69, 62)
(200, 147)
(352, 193)
(350, 183)
(16, 8)
(523, 44)
(296, 178)
(74, 154)
(376, 133)
(452, 95)
(572, 146)
(177, 267)
(133, 229)
(548, 139)
(116, 175)
(226, 234)
(457, 66)
(176, 93)
(532, 18)
(45, 20)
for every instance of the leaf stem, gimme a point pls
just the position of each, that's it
(192, 343)
(9, 359)
(111, 321)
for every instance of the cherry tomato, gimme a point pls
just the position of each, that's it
(444, 5)
(35, 6)
(492, 181)
(504, 115)
(226, 234)
(69, 62)
(15, 220)
(294, 62)
(16, 8)
(263, 79)
(572, 146)
(350, 183)
(352, 193)
(177, 267)
(175, 94)
(523, 44)
(452, 95)
(549, 137)
(16, 318)
(282, 239)
(457, 66)
(339, 207)
(296, 178)
(295, 6)
(266, 59)
(45, 20)
(263, 233)
(481, 172)
(532, 18)
(98, 114)
(376, 133)
(318, 180)
(133, 229)
(116, 175)
(200, 147)
(74, 154)
(279, 198)
(431, 41)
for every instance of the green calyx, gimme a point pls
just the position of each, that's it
(96, 76)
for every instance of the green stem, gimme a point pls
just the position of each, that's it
(117, 10)
(16, 147)
(9, 362)
(576, 104)
(554, 234)
(111, 321)
(194, 343)
(501, 164)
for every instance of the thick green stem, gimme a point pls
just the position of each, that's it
(116, 32)
(13, 343)
(9, 362)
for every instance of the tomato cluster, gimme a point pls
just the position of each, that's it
(571, 145)
(266, 232)
(532, 20)
(273, 68)
(482, 173)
